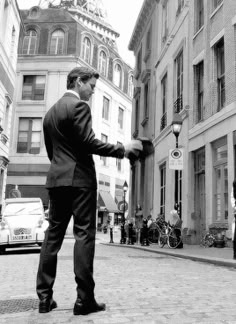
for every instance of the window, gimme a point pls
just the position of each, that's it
(86, 49)
(138, 63)
(137, 102)
(199, 71)
(57, 42)
(164, 22)
(162, 188)
(148, 40)
(119, 161)
(29, 42)
(118, 75)
(221, 179)
(6, 117)
(220, 62)
(13, 42)
(33, 87)
(102, 63)
(121, 118)
(178, 105)
(146, 100)
(216, 3)
(104, 139)
(29, 135)
(105, 108)
(164, 102)
(131, 86)
(199, 14)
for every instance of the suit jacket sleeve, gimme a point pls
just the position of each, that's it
(48, 143)
(85, 137)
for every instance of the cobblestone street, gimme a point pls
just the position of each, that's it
(137, 286)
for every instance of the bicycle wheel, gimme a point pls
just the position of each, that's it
(162, 240)
(153, 236)
(209, 240)
(173, 240)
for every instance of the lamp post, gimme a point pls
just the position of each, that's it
(122, 240)
(176, 129)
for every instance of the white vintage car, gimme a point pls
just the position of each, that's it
(23, 223)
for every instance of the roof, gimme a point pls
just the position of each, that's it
(105, 200)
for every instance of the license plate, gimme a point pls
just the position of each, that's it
(21, 237)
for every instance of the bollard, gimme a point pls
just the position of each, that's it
(144, 233)
(122, 230)
(130, 234)
(111, 235)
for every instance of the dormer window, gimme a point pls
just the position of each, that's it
(102, 63)
(29, 42)
(57, 42)
(86, 49)
(118, 75)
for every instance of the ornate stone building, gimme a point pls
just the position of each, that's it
(56, 40)
(185, 64)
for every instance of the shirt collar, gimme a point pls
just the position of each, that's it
(74, 93)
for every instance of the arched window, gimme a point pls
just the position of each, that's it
(29, 42)
(57, 42)
(131, 86)
(102, 63)
(118, 75)
(86, 49)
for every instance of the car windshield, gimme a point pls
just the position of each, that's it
(15, 209)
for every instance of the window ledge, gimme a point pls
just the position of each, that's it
(198, 32)
(144, 121)
(4, 138)
(216, 9)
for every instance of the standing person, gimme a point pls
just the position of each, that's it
(233, 203)
(72, 185)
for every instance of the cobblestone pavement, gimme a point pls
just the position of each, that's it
(137, 286)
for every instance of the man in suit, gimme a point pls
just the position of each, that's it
(72, 185)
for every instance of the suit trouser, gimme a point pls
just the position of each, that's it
(64, 202)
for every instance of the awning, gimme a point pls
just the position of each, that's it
(106, 201)
(118, 199)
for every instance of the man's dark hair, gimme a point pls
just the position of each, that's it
(83, 73)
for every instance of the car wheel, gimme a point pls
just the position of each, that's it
(2, 249)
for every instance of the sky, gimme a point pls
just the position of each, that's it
(122, 16)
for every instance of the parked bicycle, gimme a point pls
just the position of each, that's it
(163, 233)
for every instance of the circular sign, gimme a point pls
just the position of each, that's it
(121, 206)
(176, 154)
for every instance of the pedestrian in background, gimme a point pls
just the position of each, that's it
(233, 204)
(70, 142)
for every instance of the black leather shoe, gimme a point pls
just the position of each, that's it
(85, 309)
(46, 305)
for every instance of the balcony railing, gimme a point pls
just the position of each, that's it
(178, 104)
(163, 121)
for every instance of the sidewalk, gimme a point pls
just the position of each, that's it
(218, 256)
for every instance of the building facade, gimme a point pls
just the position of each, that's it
(192, 74)
(58, 39)
(10, 25)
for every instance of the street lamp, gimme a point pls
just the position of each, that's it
(122, 240)
(176, 126)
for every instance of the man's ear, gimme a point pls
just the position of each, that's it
(79, 82)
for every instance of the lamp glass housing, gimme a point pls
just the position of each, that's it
(125, 187)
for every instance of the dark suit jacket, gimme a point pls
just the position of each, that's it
(70, 143)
